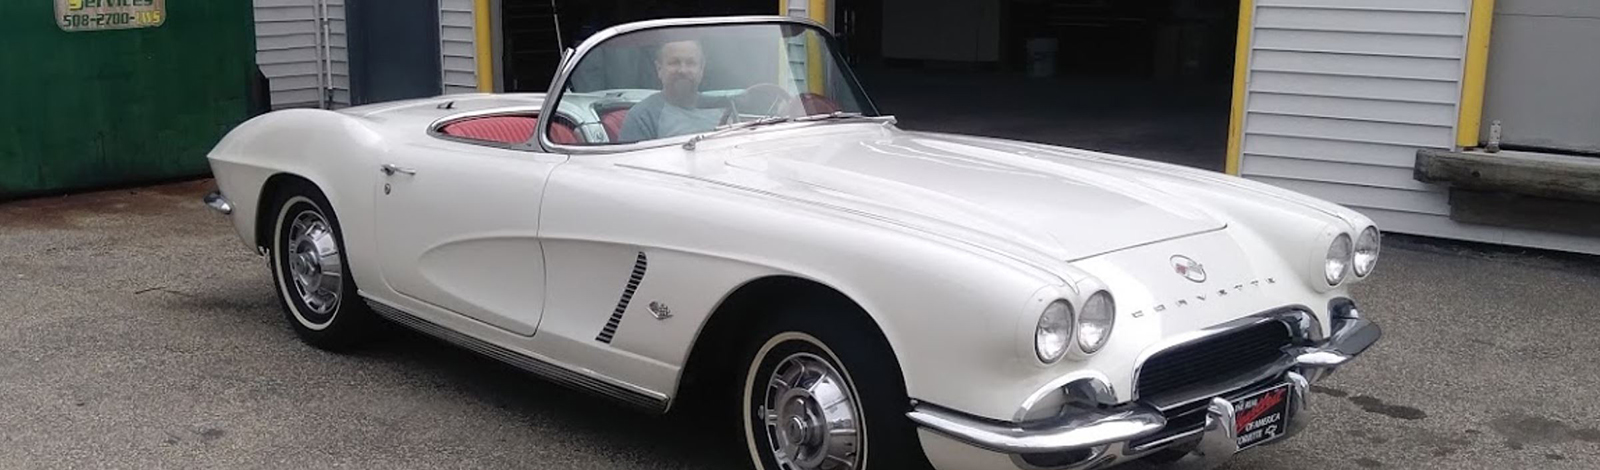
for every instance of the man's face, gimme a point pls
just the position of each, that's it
(680, 66)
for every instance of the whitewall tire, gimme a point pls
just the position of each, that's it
(820, 395)
(310, 270)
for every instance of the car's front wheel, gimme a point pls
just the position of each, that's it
(311, 273)
(821, 395)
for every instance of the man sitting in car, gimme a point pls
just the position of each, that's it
(676, 109)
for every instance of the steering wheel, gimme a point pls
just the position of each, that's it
(767, 99)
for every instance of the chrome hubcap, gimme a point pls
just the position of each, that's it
(810, 416)
(314, 264)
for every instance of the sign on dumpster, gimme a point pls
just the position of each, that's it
(95, 15)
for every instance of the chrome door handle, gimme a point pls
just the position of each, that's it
(390, 169)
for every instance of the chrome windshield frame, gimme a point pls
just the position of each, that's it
(553, 95)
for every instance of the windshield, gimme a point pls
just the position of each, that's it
(676, 81)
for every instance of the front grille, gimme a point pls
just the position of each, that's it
(1213, 360)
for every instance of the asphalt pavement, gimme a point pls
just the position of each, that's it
(139, 332)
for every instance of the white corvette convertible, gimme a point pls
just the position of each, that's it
(712, 210)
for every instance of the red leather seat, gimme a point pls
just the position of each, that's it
(562, 134)
(508, 130)
(612, 120)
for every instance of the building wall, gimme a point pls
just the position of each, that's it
(1340, 94)
(1544, 74)
(305, 61)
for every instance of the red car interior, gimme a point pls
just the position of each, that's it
(508, 129)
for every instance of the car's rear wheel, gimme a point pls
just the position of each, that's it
(310, 270)
(820, 395)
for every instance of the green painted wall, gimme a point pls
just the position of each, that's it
(86, 109)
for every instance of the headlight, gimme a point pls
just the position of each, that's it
(1338, 262)
(1366, 256)
(1095, 323)
(1054, 333)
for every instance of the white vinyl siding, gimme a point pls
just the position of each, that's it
(1341, 94)
(457, 47)
(299, 59)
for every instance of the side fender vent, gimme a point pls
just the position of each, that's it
(610, 329)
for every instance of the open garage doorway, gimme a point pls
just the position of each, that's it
(1144, 78)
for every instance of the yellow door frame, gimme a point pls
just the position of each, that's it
(1474, 74)
(816, 10)
(1241, 69)
(484, 54)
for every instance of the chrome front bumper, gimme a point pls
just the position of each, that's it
(217, 202)
(1102, 435)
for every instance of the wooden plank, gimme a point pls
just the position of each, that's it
(1502, 209)
(1543, 175)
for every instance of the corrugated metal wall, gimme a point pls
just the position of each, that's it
(457, 47)
(1342, 93)
(301, 59)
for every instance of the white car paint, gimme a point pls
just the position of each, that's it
(953, 244)
(821, 201)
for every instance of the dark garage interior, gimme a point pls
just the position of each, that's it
(1144, 78)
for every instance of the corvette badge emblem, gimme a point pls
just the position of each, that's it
(1188, 268)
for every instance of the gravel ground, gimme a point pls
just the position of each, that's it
(142, 334)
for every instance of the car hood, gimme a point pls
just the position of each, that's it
(994, 195)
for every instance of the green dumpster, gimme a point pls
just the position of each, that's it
(112, 92)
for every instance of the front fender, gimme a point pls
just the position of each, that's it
(331, 150)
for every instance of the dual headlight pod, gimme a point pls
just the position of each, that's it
(1060, 327)
(1345, 255)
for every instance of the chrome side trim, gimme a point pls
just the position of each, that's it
(610, 330)
(1067, 433)
(650, 402)
(217, 202)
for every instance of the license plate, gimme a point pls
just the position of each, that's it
(1262, 417)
